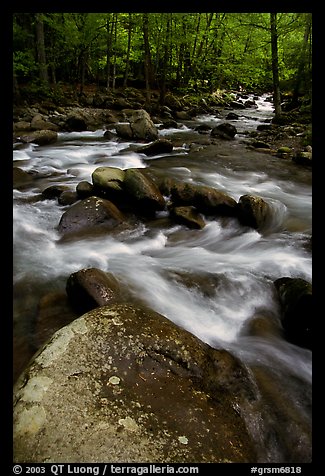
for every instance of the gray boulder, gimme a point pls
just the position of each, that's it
(125, 384)
(140, 126)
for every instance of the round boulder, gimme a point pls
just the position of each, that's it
(125, 384)
(90, 288)
(253, 211)
(88, 213)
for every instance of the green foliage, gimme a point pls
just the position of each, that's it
(189, 51)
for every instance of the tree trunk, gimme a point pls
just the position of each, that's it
(16, 92)
(147, 59)
(127, 65)
(165, 63)
(108, 53)
(40, 48)
(301, 76)
(275, 64)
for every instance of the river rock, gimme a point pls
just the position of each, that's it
(84, 189)
(88, 213)
(68, 197)
(75, 122)
(253, 211)
(54, 191)
(225, 130)
(38, 123)
(21, 177)
(40, 137)
(205, 199)
(140, 126)
(108, 182)
(124, 384)
(143, 192)
(160, 146)
(295, 296)
(187, 216)
(90, 288)
(303, 158)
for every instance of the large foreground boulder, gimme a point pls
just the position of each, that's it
(125, 384)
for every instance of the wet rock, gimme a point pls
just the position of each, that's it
(203, 128)
(284, 423)
(124, 131)
(263, 324)
(295, 296)
(232, 116)
(284, 152)
(225, 130)
(38, 123)
(21, 178)
(140, 126)
(54, 311)
(125, 384)
(54, 191)
(68, 197)
(303, 158)
(200, 282)
(90, 288)
(182, 116)
(143, 192)
(161, 146)
(88, 213)
(84, 189)
(187, 216)
(108, 182)
(253, 211)
(40, 137)
(237, 105)
(205, 199)
(258, 144)
(76, 122)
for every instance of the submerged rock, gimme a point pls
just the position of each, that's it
(125, 384)
(187, 216)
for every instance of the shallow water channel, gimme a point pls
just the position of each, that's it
(215, 282)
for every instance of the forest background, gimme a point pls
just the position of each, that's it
(186, 53)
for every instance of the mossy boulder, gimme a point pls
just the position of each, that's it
(125, 384)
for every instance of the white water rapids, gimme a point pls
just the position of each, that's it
(158, 261)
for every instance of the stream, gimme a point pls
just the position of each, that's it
(214, 282)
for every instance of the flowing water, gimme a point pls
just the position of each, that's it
(215, 282)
